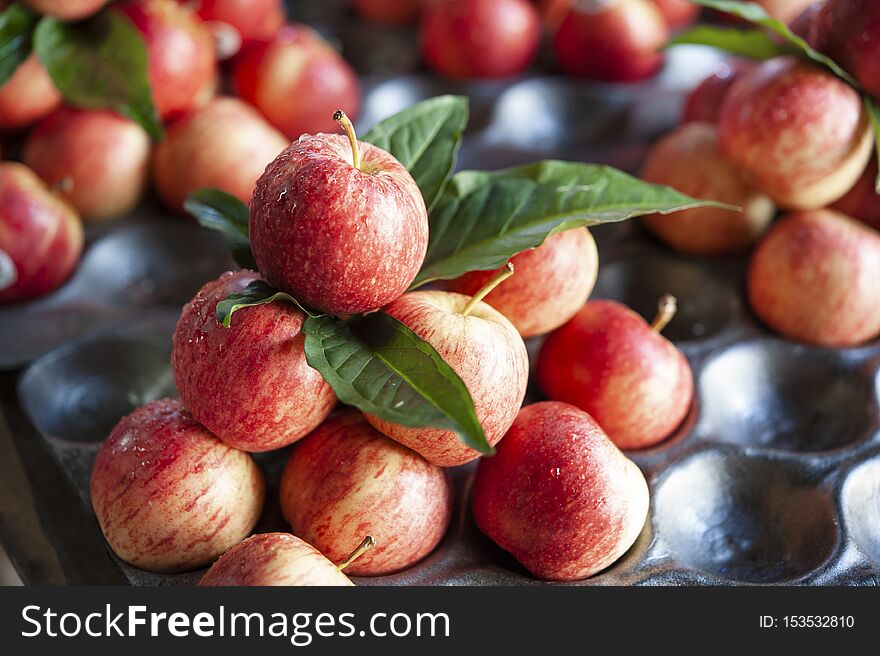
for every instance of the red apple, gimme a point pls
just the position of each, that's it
(612, 41)
(28, 95)
(66, 10)
(785, 10)
(807, 25)
(297, 81)
(249, 384)
(678, 13)
(253, 20)
(551, 284)
(339, 224)
(480, 38)
(392, 12)
(168, 495)
(609, 362)
(851, 36)
(180, 50)
(689, 160)
(814, 277)
(97, 159)
(41, 237)
(273, 559)
(487, 353)
(704, 102)
(558, 495)
(862, 202)
(802, 133)
(346, 479)
(224, 145)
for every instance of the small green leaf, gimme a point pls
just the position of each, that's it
(99, 63)
(756, 44)
(485, 218)
(16, 32)
(383, 368)
(425, 138)
(755, 14)
(874, 113)
(257, 292)
(217, 210)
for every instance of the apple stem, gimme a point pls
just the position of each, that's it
(343, 120)
(667, 306)
(366, 544)
(502, 275)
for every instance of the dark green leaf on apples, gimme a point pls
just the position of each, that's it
(383, 368)
(257, 292)
(485, 218)
(99, 63)
(425, 138)
(227, 215)
(790, 43)
(874, 113)
(16, 30)
(755, 44)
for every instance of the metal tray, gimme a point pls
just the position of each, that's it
(774, 478)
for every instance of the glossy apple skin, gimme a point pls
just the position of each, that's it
(813, 278)
(27, 96)
(487, 353)
(66, 10)
(704, 102)
(802, 133)
(41, 236)
(98, 160)
(347, 480)
(254, 20)
(249, 384)
(181, 54)
(297, 81)
(552, 282)
(390, 12)
(480, 38)
(862, 202)
(678, 13)
(270, 559)
(608, 362)
(339, 239)
(689, 159)
(620, 42)
(558, 495)
(168, 495)
(224, 145)
(851, 31)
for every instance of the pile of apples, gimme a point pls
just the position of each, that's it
(95, 165)
(786, 134)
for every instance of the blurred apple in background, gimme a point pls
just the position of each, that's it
(391, 12)
(297, 81)
(254, 20)
(862, 202)
(480, 38)
(850, 34)
(678, 13)
(96, 159)
(182, 65)
(224, 145)
(611, 40)
(28, 95)
(704, 102)
(41, 236)
(66, 10)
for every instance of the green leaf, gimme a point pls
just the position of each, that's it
(100, 63)
(755, 14)
(217, 210)
(756, 44)
(874, 113)
(16, 30)
(425, 138)
(485, 218)
(257, 292)
(383, 368)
